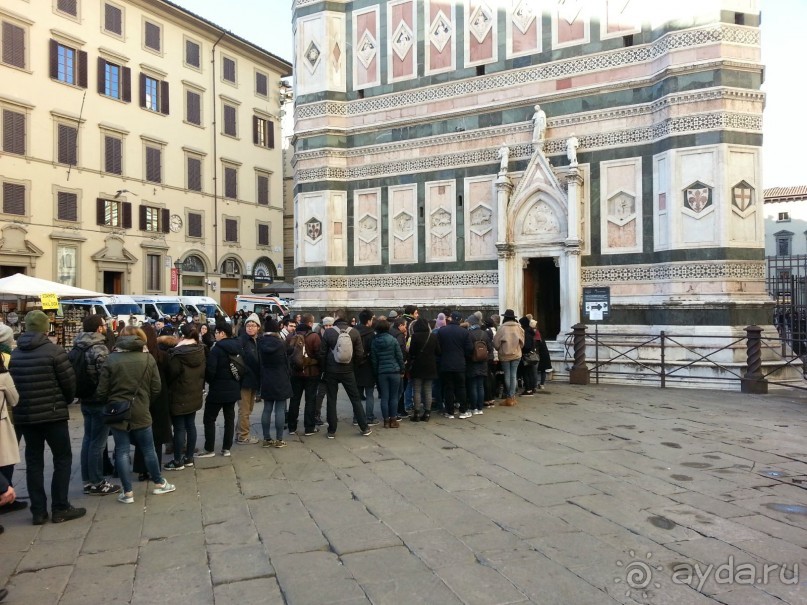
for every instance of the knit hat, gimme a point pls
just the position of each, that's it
(440, 321)
(253, 317)
(37, 321)
(473, 320)
(509, 315)
(392, 314)
(327, 321)
(6, 336)
(456, 317)
(533, 324)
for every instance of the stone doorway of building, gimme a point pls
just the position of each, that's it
(9, 270)
(113, 282)
(542, 295)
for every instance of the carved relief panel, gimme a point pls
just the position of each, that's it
(745, 219)
(440, 36)
(366, 49)
(621, 205)
(540, 221)
(570, 23)
(697, 197)
(619, 18)
(480, 219)
(523, 27)
(367, 227)
(441, 234)
(403, 232)
(312, 209)
(402, 44)
(481, 40)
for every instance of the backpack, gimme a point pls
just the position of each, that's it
(343, 350)
(480, 351)
(238, 368)
(298, 355)
(85, 385)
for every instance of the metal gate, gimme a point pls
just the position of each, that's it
(787, 277)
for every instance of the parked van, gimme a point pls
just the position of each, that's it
(203, 305)
(255, 303)
(119, 306)
(159, 306)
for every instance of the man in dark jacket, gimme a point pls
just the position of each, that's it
(252, 380)
(46, 383)
(365, 379)
(304, 382)
(223, 391)
(341, 373)
(455, 348)
(92, 344)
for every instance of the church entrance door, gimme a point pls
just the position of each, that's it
(542, 295)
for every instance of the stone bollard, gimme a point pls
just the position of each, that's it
(579, 373)
(752, 381)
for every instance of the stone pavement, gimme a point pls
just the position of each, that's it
(579, 495)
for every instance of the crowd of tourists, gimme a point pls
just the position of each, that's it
(147, 386)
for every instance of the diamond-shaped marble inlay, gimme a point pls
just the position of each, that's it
(481, 22)
(336, 54)
(402, 40)
(368, 228)
(524, 15)
(440, 32)
(312, 56)
(441, 222)
(569, 10)
(481, 219)
(367, 49)
(313, 228)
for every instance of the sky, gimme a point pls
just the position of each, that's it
(267, 23)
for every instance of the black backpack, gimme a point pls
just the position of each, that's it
(85, 385)
(238, 368)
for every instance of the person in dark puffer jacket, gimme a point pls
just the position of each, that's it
(424, 349)
(275, 383)
(223, 391)
(388, 366)
(46, 384)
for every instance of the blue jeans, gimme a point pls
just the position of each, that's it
(96, 433)
(184, 425)
(388, 388)
(144, 440)
(422, 394)
(510, 369)
(476, 392)
(369, 403)
(280, 418)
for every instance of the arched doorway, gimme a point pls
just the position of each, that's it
(264, 272)
(192, 276)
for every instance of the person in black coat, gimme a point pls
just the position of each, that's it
(424, 349)
(455, 348)
(544, 360)
(365, 379)
(529, 368)
(275, 383)
(252, 380)
(477, 371)
(223, 390)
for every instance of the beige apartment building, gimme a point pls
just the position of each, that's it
(141, 149)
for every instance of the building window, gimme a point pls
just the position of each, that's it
(261, 84)
(231, 230)
(263, 189)
(152, 36)
(14, 199)
(114, 80)
(231, 182)
(153, 94)
(113, 19)
(66, 144)
(113, 154)
(230, 121)
(14, 43)
(263, 132)
(194, 165)
(193, 54)
(67, 64)
(193, 107)
(67, 206)
(67, 265)
(784, 241)
(13, 131)
(155, 220)
(783, 217)
(194, 224)
(228, 70)
(68, 7)
(263, 234)
(153, 272)
(154, 164)
(113, 213)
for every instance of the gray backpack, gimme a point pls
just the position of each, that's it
(343, 350)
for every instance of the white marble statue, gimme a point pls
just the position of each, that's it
(539, 128)
(504, 156)
(571, 149)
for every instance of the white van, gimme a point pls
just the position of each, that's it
(203, 305)
(159, 306)
(255, 303)
(119, 306)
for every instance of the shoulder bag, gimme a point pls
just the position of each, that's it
(120, 411)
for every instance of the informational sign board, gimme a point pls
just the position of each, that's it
(49, 301)
(597, 303)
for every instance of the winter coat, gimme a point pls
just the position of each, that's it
(508, 341)
(130, 374)
(223, 388)
(385, 355)
(312, 346)
(545, 361)
(479, 368)
(365, 376)
(9, 448)
(329, 338)
(400, 337)
(93, 345)
(275, 374)
(424, 349)
(252, 357)
(186, 377)
(161, 425)
(529, 336)
(44, 379)
(455, 347)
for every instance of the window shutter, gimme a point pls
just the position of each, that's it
(126, 75)
(67, 6)
(13, 45)
(270, 133)
(229, 120)
(165, 220)
(143, 90)
(153, 165)
(127, 215)
(112, 19)
(13, 198)
(112, 155)
(263, 190)
(67, 206)
(54, 59)
(256, 124)
(82, 69)
(100, 214)
(194, 225)
(261, 84)
(13, 132)
(263, 235)
(230, 183)
(194, 174)
(143, 211)
(192, 53)
(153, 36)
(193, 101)
(67, 144)
(101, 76)
(164, 97)
(230, 230)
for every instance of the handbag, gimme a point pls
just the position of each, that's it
(121, 411)
(532, 357)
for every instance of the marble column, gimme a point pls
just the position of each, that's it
(570, 313)
(504, 188)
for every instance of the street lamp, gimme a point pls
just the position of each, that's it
(178, 266)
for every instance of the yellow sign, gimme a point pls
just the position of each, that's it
(49, 301)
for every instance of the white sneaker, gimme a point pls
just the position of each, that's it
(476, 412)
(126, 497)
(164, 488)
(464, 415)
(225, 453)
(206, 454)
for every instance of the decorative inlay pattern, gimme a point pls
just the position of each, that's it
(397, 281)
(675, 271)
(402, 40)
(367, 49)
(312, 56)
(524, 15)
(440, 31)
(481, 22)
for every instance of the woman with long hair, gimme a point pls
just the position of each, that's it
(424, 350)
(131, 374)
(388, 366)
